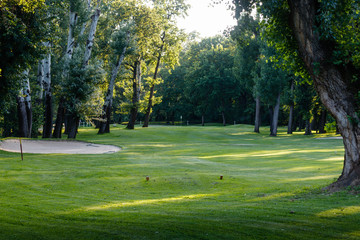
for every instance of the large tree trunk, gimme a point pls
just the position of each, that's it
(136, 94)
(202, 120)
(71, 39)
(149, 107)
(40, 77)
(307, 127)
(291, 120)
(291, 114)
(271, 117)
(275, 119)
(223, 118)
(24, 108)
(322, 121)
(104, 123)
(22, 117)
(90, 41)
(48, 114)
(257, 115)
(332, 84)
(59, 119)
(73, 125)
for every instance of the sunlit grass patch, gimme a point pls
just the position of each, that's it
(271, 187)
(338, 212)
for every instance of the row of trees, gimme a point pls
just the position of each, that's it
(67, 55)
(227, 80)
(71, 57)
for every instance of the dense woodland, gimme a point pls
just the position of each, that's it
(293, 63)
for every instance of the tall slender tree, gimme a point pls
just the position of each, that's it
(169, 46)
(24, 107)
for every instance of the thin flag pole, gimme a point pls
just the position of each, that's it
(22, 157)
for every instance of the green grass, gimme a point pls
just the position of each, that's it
(271, 188)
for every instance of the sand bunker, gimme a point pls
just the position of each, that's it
(66, 147)
(323, 138)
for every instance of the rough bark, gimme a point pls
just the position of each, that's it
(22, 117)
(136, 94)
(40, 78)
(291, 113)
(73, 124)
(291, 120)
(332, 82)
(307, 127)
(24, 108)
(59, 119)
(71, 39)
(48, 114)
(90, 41)
(275, 118)
(223, 118)
(150, 103)
(149, 107)
(257, 115)
(105, 124)
(322, 121)
(271, 115)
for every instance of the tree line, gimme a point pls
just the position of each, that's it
(289, 62)
(62, 61)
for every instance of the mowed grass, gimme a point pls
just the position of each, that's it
(271, 188)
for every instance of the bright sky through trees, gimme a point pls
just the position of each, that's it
(206, 19)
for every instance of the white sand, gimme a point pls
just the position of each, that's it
(323, 138)
(65, 147)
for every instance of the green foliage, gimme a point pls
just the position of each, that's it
(338, 22)
(270, 81)
(203, 84)
(330, 126)
(304, 99)
(82, 81)
(21, 32)
(248, 51)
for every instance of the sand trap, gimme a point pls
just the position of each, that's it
(323, 138)
(66, 147)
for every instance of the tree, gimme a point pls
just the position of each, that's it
(21, 33)
(74, 118)
(247, 36)
(321, 39)
(24, 107)
(169, 46)
(120, 43)
(269, 85)
(147, 30)
(77, 89)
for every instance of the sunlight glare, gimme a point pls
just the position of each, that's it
(338, 212)
(145, 202)
(205, 19)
